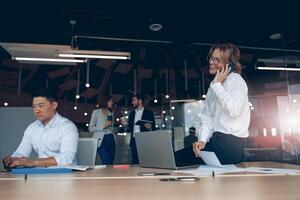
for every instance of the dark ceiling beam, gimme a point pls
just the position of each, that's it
(141, 65)
(74, 70)
(105, 80)
(28, 78)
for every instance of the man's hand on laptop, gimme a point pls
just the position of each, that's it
(24, 162)
(8, 160)
(197, 147)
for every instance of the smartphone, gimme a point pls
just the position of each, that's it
(231, 67)
(109, 118)
(153, 173)
(180, 179)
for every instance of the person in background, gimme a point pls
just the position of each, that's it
(191, 138)
(139, 113)
(102, 125)
(53, 137)
(226, 114)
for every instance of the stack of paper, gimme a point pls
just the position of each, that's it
(78, 167)
(213, 165)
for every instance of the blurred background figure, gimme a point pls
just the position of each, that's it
(139, 113)
(102, 125)
(191, 138)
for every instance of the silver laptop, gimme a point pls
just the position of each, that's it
(155, 150)
(2, 168)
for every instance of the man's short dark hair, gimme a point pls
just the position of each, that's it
(139, 97)
(192, 130)
(47, 93)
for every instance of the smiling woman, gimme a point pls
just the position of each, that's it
(226, 114)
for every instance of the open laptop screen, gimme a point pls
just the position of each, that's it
(155, 149)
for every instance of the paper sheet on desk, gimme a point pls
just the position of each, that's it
(74, 167)
(208, 170)
(210, 158)
(212, 165)
(79, 167)
(267, 170)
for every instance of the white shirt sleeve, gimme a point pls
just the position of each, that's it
(96, 126)
(233, 101)
(25, 148)
(205, 130)
(69, 143)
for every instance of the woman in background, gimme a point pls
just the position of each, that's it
(101, 124)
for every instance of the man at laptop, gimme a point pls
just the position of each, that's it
(53, 137)
(140, 120)
(226, 114)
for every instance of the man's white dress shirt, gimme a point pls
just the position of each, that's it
(58, 138)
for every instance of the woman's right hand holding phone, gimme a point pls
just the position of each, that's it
(222, 74)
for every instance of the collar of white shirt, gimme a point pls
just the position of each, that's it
(139, 109)
(52, 122)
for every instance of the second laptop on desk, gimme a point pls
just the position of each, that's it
(155, 150)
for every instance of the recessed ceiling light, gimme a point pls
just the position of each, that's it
(155, 27)
(275, 36)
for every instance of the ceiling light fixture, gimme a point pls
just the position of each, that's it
(94, 54)
(279, 68)
(87, 84)
(276, 36)
(155, 27)
(49, 59)
(78, 84)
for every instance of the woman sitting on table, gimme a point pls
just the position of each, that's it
(226, 114)
(102, 125)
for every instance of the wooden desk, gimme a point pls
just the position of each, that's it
(132, 172)
(98, 173)
(231, 188)
(109, 183)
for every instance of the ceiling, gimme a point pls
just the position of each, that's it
(189, 28)
(245, 22)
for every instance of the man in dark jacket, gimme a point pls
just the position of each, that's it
(139, 113)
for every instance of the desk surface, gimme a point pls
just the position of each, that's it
(98, 173)
(109, 183)
(266, 187)
(128, 173)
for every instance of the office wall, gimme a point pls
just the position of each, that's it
(13, 122)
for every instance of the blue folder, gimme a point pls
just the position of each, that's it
(40, 170)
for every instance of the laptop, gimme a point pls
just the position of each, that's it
(3, 168)
(155, 150)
